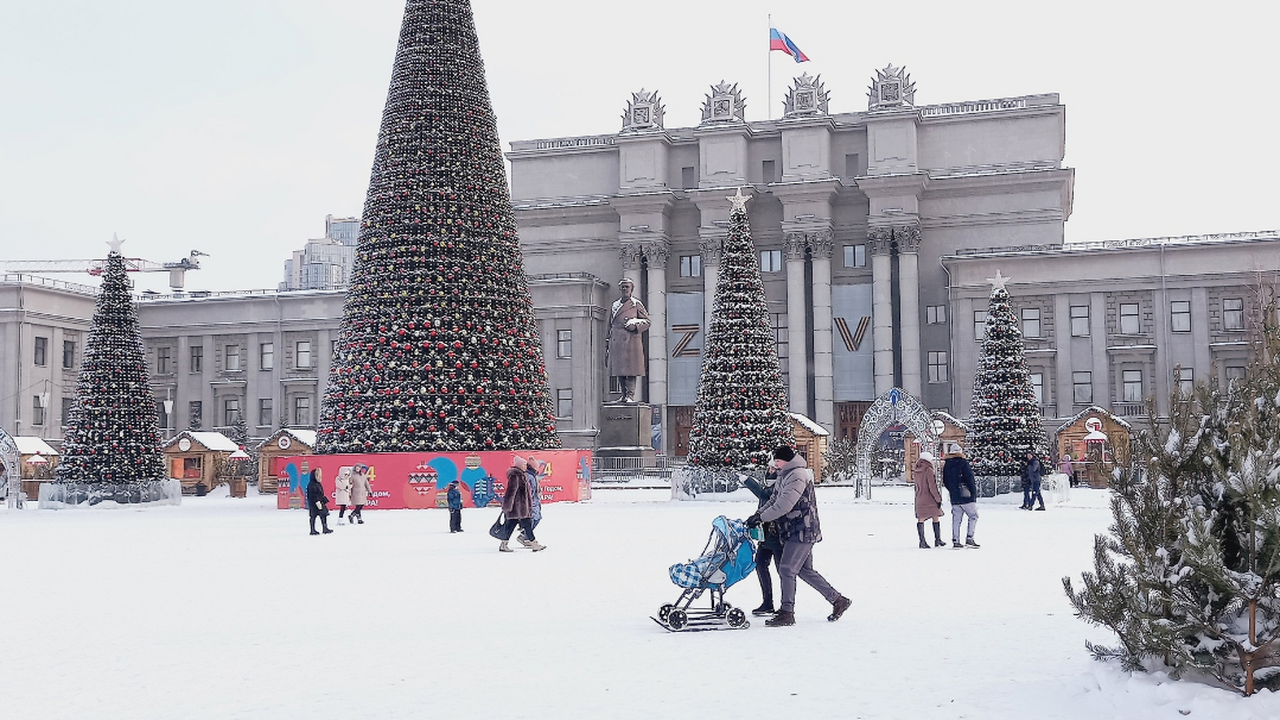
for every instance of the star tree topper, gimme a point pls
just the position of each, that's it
(115, 242)
(739, 201)
(998, 282)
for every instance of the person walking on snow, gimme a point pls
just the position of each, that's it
(794, 504)
(928, 499)
(532, 469)
(769, 548)
(517, 505)
(1031, 482)
(342, 491)
(317, 503)
(957, 476)
(455, 508)
(360, 491)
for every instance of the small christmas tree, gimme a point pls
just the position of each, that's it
(741, 411)
(113, 434)
(438, 347)
(1005, 421)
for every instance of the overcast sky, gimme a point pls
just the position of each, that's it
(235, 126)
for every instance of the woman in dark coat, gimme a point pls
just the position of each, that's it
(928, 499)
(517, 505)
(317, 503)
(770, 548)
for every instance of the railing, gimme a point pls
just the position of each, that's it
(26, 279)
(1129, 409)
(973, 107)
(1134, 242)
(606, 470)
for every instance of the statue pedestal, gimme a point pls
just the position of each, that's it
(625, 438)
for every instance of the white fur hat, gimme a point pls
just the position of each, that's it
(927, 457)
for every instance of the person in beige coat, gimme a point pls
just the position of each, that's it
(360, 490)
(928, 499)
(342, 492)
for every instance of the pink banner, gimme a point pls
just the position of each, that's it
(420, 480)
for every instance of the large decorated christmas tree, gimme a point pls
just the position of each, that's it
(741, 411)
(1004, 419)
(113, 435)
(438, 348)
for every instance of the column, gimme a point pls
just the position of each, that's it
(821, 246)
(908, 239)
(880, 240)
(710, 248)
(656, 254)
(797, 339)
(1062, 388)
(631, 254)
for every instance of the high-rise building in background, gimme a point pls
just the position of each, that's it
(325, 263)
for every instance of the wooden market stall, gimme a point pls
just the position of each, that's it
(948, 429)
(285, 442)
(195, 457)
(1092, 444)
(811, 442)
(37, 460)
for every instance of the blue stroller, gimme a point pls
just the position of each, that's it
(728, 557)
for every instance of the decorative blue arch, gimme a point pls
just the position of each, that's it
(893, 408)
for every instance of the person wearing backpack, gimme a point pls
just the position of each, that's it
(794, 505)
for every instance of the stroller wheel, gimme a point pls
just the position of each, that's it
(737, 618)
(664, 612)
(677, 619)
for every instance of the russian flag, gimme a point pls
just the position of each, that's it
(779, 41)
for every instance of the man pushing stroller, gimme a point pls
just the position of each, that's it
(794, 506)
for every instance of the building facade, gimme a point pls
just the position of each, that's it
(325, 263)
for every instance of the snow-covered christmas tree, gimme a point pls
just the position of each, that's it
(741, 411)
(113, 435)
(1004, 419)
(438, 347)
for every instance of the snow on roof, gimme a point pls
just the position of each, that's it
(28, 445)
(809, 425)
(215, 441)
(1093, 410)
(307, 437)
(948, 417)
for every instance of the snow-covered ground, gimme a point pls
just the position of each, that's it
(225, 608)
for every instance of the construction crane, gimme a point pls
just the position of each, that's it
(177, 270)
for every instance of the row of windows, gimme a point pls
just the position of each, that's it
(769, 171)
(231, 410)
(302, 357)
(771, 261)
(1129, 317)
(41, 355)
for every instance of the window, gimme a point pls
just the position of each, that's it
(197, 358)
(851, 165)
(855, 255)
(1079, 321)
(781, 341)
(68, 354)
(1180, 316)
(42, 351)
(769, 171)
(66, 410)
(266, 356)
(1031, 322)
(935, 314)
(1129, 319)
(37, 410)
(164, 360)
(161, 416)
(1037, 387)
(979, 325)
(302, 410)
(196, 414)
(264, 412)
(232, 355)
(302, 358)
(333, 349)
(1232, 314)
(564, 402)
(1235, 372)
(688, 178)
(937, 367)
(770, 261)
(1082, 388)
(1131, 381)
(564, 343)
(690, 266)
(230, 411)
(1186, 380)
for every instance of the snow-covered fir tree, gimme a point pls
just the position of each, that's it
(741, 411)
(113, 433)
(438, 347)
(1004, 420)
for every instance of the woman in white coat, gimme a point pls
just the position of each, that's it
(359, 492)
(342, 492)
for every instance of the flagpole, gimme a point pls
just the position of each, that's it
(769, 73)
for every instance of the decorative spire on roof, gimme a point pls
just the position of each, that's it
(891, 88)
(807, 97)
(644, 112)
(724, 104)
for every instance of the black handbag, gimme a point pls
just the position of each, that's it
(499, 530)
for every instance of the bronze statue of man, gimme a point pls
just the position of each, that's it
(628, 323)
